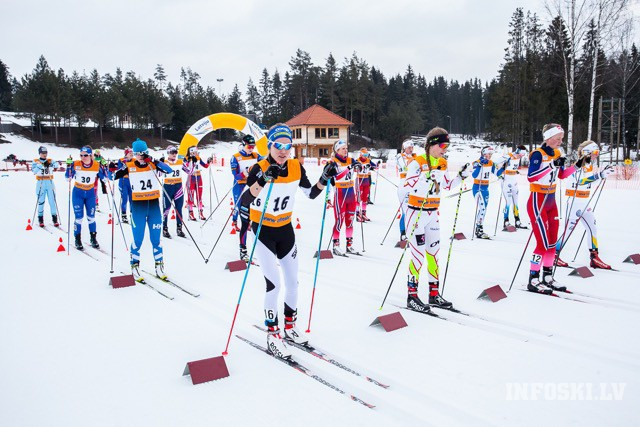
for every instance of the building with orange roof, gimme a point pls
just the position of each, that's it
(315, 130)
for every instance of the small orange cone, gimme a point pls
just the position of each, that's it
(233, 230)
(29, 227)
(399, 216)
(60, 247)
(110, 220)
(173, 215)
(298, 226)
(230, 202)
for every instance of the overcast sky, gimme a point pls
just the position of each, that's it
(236, 39)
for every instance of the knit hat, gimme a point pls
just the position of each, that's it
(338, 145)
(139, 146)
(277, 132)
(86, 149)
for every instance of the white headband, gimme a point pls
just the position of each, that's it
(549, 133)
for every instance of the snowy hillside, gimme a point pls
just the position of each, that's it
(76, 352)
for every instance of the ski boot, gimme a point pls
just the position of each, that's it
(179, 231)
(234, 224)
(41, 221)
(54, 218)
(537, 286)
(560, 262)
(202, 217)
(165, 231)
(275, 343)
(365, 217)
(480, 234)
(350, 249)
(79, 242)
(359, 216)
(135, 272)
(414, 303)
(596, 262)
(244, 256)
(506, 225)
(93, 241)
(160, 270)
(549, 281)
(191, 216)
(124, 218)
(403, 236)
(519, 224)
(336, 248)
(436, 299)
(292, 333)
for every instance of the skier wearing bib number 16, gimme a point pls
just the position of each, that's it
(145, 205)
(276, 242)
(578, 193)
(84, 172)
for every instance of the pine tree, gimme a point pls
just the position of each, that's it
(6, 90)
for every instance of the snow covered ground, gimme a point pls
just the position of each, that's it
(76, 352)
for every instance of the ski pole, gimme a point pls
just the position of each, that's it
(389, 181)
(391, 225)
(499, 206)
(566, 222)
(340, 212)
(216, 208)
(358, 198)
(180, 215)
(210, 198)
(529, 239)
(315, 275)
(112, 229)
(219, 235)
(215, 190)
(376, 184)
(453, 233)
(113, 201)
(585, 231)
(415, 226)
(246, 272)
(475, 216)
(69, 219)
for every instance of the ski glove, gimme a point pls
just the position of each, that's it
(330, 170)
(47, 163)
(69, 161)
(581, 161)
(607, 171)
(464, 171)
(559, 162)
(484, 161)
(357, 167)
(272, 172)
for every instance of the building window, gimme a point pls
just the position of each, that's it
(297, 133)
(304, 152)
(323, 152)
(333, 133)
(321, 133)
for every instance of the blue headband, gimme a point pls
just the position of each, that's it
(278, 132)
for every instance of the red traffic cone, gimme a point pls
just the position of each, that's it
(110, 220)
(60, 247)
(230, 202)
(233, 230)
(29, 227)
(298, 225)
(399, 216)
(173, 214)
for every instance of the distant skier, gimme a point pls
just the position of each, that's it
(364, 183)
(403, 159)
(546, 165)
(124, 185)
(192, 164)
(510, 186)
(344, 202)
(427, 176)
(85, 172)
(241, 163)
(276, 244)
(172, 192)
(483, 168)
(43, 167)
(578, 193)
(145, 205)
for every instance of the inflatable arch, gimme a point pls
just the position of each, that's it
(207, 124)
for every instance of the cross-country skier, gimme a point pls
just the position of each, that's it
(145, 205)
(276, 244)
(344, 201)
(241, 163)
(510, 185)
(402, 161)
(192, 164)
(85, 172)
(578, 193)
(43, 168)
(172, 191)
(364, 183)
(483, 168)
(427, 176)
(124, 185)
(546, 165)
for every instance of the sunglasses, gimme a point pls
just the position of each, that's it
(142, 153)
(283, 146)
(85, 155)
(443, 145)
(173, 152)
(364, 154)
(252, 146)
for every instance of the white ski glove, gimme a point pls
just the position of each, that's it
(465, 171)
(607, 171)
